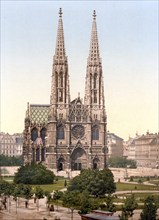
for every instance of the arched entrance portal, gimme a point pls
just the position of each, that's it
(60, 164)
(96, 163)
(78, 159)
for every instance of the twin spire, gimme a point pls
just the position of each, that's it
(93, 57)
(60, 45)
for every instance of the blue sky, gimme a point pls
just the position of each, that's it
(128, 42)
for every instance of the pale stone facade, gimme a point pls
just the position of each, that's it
(144, 150)
(69, 135)
(115, 145)
(11, 144)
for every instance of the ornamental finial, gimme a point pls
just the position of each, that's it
(94, 15)
(60, 12)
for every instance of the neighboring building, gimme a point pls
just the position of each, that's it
(145, 150)
(115, 145)
(11, 145)
(69, 135)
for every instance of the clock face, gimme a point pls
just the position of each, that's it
(78, 131)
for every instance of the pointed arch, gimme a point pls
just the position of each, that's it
(61, 132)
(60, 163)
(78, 158)
(37, 154)
(96, 162)
(95, 132)
(95, 80)
(43, 134)
(61, 79)
(34, 134)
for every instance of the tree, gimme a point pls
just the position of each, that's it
(149, 211)
(25, 191)
(34, 174)
(39, 194)
(95, 182)
(6, 190)
(56, 196)
(109, 204)
(122, 162)
(87, 203)
(71, 200)
(10, 161)
(128, 208)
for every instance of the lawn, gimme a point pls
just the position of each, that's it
(130, 186)
(8, 178)
(58, 185)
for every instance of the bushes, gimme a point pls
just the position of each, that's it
(34, 174)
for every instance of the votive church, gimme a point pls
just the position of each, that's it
(69, 134)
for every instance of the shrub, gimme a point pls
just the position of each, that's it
(34, 174)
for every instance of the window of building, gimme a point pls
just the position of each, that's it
(37, 154)
(43, 133)
(34, 134)
(60, 132)
(60, 95)
(61, 79)
(43, 154)
(95, 96)
(95, 133)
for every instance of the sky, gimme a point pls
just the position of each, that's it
(128, 43)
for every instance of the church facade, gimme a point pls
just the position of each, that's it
(69, 134)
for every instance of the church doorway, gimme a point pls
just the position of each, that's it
(78, 159)
(95, 166)
(60, 164)
(77, 166)
(96, 163)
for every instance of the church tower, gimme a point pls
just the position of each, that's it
(69, 135)
(94, 99)
(57, 132)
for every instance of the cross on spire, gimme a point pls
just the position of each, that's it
(60, 12)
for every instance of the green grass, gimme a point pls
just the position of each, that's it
(58, 185)
(128, 186)
(8, 178)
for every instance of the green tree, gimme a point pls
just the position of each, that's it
(56, 196)
(128, 208)
(71, 200)
(25, 191)
(121, 162)
(34, 174)
(87, 203)
(39, 194)
(109, 204)
(10, 161)
(6, 189)
(149, 211)
(96, 182)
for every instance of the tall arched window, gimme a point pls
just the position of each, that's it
(60, 132)
(95, 133)
(43, 134)
(37, 154)
(43, 154)
(34, 134)
(95, 80)
(61, 79)
(95, 96)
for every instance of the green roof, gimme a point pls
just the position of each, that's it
(39, 113)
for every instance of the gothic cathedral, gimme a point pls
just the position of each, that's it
(69, 135)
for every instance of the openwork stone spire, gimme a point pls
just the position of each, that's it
(94, 57)
(94, 89)
(60, 46)
(60, 79)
